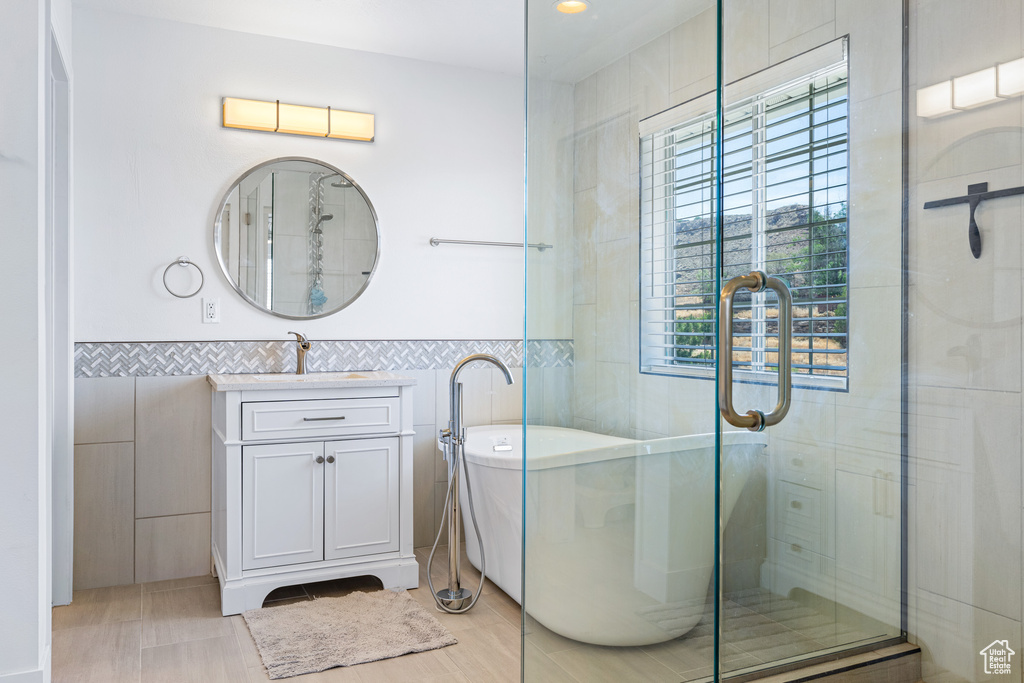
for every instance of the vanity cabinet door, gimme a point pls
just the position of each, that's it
(867, 550)
(282, 504)
(361, 507)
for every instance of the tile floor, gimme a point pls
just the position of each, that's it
(172, 631)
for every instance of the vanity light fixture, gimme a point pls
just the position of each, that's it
(572, 6)
(297, 119)
(935, 100)
(973, 90)
(1011, 78)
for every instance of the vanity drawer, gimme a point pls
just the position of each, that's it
(329, 417)
(799, 463)
(798, 516)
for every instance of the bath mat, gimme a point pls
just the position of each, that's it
(307, 637)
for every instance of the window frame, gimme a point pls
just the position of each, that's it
(759, 371)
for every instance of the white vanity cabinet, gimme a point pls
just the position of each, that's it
(312, 480)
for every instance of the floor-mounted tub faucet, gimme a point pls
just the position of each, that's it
(304, 345)
(454, 599)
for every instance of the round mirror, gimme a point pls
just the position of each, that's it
(297, 238)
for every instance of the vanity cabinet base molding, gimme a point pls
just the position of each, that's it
(311, 484)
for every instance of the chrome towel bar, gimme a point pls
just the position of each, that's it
(540, 246)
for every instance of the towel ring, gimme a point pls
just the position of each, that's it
(184, 262)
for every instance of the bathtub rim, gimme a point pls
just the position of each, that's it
(619, 447)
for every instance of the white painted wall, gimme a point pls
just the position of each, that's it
(152, 163)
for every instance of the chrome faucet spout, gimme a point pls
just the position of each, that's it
(455, 390)
(303, 345)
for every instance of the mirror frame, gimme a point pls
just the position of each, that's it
(224, 266)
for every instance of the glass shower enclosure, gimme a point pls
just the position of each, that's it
(714, 478)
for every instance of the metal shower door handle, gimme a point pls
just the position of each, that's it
(755, 420)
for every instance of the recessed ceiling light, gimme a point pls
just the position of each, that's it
(572, 6)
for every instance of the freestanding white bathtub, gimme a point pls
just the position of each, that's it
(619, 533)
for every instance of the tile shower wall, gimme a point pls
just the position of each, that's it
(965, 340)
(142, 439)
(855, 436)
(965, 411)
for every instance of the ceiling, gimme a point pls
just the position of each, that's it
(570, 47)
(483, 34)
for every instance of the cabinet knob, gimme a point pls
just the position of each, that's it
(795, 547)
(796, 504)
(330, 458)
(798, 462)
(319, 459)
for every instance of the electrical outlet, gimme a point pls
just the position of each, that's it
(211, 310)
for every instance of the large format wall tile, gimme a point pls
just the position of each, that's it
(876, 38)
(423, 396)
(476, 395)
(791, 18)
(693, 50)
(875, 211)
(166, 437)
(650, 83)
(585, 369)
(558, 397)
(172, 547)
(747, 38)
(104, 515)
(803, 42)
(172, 447)
(104, 409)
(424, 453)
(965, 327)
(507, 401)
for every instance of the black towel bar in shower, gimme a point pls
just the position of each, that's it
(976, 194)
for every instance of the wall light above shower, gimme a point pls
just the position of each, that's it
(296, 119)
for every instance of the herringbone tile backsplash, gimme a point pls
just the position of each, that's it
(147, 359)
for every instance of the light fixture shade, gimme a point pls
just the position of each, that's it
(975, 90)
(300, 120)
(1011, 78)
(250, 114)
(572, 6)
(297, 119)
(935, 100)
(351, 125)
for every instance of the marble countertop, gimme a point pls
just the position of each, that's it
(312, 380)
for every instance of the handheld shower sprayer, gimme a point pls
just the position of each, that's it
(319, 229)
(453, 599)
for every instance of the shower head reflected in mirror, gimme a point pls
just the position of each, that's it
(318, 230)
(342, 182)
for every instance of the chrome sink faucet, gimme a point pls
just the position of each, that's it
(304, 345)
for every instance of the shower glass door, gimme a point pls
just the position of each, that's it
(812, 194)
(662, 543)
(620, 461)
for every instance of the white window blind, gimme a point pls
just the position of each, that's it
(785, 195)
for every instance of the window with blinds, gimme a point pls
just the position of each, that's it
(785, 195)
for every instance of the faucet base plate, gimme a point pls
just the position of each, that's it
(454, 599)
